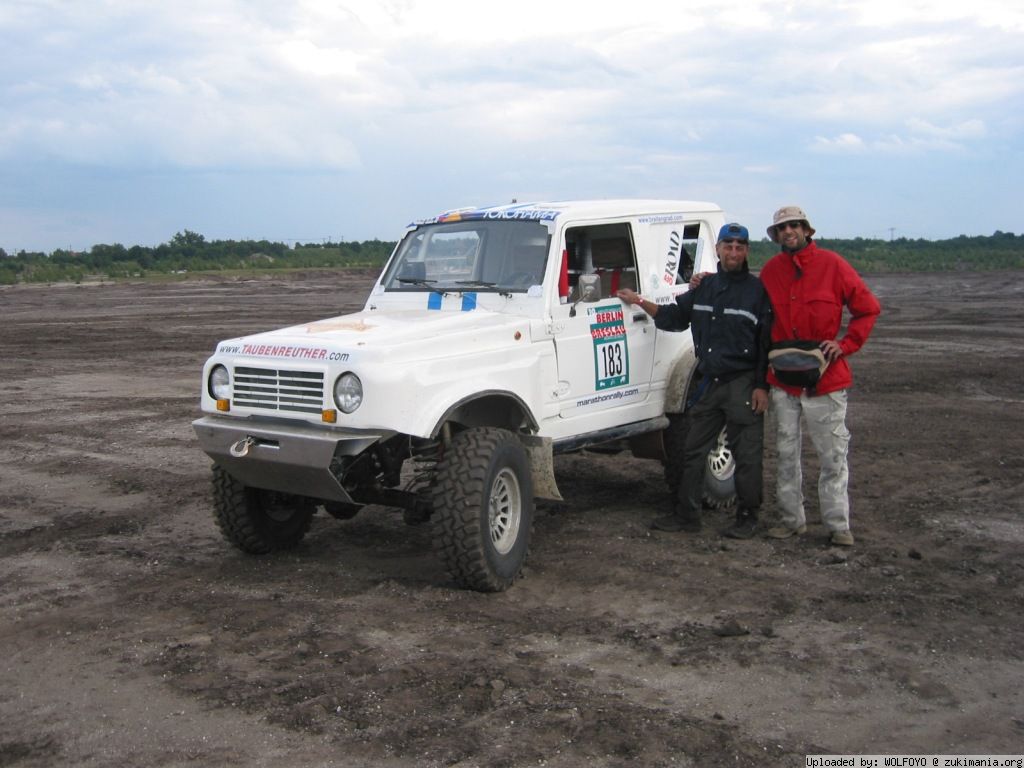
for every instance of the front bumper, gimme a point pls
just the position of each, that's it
(282, 457)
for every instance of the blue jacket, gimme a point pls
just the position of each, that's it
(731, 320)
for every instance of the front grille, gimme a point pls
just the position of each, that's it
(279, 390)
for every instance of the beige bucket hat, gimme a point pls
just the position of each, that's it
(789, 213)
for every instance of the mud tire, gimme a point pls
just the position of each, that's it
(341, 510)
(258, 521)
(720, 475)
(719, 481)
(483, 509)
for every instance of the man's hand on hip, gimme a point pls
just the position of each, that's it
(831, 350)
(759, 401)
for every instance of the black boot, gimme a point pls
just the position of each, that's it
(745, 525)
(677, 521)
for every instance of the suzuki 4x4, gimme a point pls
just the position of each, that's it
(492, 341)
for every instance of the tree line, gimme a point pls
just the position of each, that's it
(190, 252)
(1001, 250)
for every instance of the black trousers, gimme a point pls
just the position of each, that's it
(725, 404)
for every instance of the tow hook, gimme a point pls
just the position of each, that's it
(241, 448)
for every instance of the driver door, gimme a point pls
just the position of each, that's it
(604, 348)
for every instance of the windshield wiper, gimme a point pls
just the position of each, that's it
(476, 283)
(421, 283)
(484, 284)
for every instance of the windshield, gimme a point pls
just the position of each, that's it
(499, 256)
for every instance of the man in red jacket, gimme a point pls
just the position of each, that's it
(808, 287)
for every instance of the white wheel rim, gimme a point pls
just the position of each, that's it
(504, 511)
(720, 462)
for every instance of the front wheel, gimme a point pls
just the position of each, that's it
(258, 521)
(483, 508)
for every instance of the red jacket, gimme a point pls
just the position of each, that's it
(808, 290)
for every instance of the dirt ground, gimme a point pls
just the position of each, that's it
(133, 635)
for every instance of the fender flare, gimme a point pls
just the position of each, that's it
(531, 426)
(683, 369)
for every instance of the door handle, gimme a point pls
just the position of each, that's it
(639, 317)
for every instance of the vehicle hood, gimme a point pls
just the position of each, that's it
(412, 333)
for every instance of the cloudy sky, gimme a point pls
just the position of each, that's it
(126, 121)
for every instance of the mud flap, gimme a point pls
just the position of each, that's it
(648, 446)
(542, 467)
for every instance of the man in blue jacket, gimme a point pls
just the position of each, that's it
(731, 318)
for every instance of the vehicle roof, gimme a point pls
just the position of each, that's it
(549, 211)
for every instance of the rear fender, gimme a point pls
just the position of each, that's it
(683, 369)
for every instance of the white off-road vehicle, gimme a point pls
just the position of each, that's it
(492, 341)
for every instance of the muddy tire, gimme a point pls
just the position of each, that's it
(483, 509)
(258, 521)
(720, 475)
(719, 481)
(341, 510)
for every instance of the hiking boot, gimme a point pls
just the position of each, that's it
(784, 531)
(744, 527)
(675, 523)
(841, 539)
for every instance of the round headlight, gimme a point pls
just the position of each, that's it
(220, 383)
(348, 392)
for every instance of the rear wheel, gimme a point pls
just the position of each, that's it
(719, 477)
(719, 480)
(483, 508)
(256, 520)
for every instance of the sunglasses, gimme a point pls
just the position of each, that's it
(789, 225)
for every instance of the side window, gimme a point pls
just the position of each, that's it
(689, 250)
(606, 250)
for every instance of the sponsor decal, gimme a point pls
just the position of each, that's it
(523, 212)
(611, 348)
(675, 244)
(282, 350)
(663, 218)
(532, 214)
(619, 394)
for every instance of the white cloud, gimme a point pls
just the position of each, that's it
(308, 58)
(845, 142)
(920, 136)
(969, 129)
(587, 98)
(909, 13)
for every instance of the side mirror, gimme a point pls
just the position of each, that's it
(590, 291)
(590, 288)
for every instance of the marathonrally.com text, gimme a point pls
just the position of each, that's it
(616, 395)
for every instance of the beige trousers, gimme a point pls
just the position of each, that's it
(825, 417)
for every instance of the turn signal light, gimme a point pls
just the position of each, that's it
(329, 415)
(223, 404)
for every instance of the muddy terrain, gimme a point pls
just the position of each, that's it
(133, 635)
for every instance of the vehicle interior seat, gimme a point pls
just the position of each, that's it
(613, 261)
